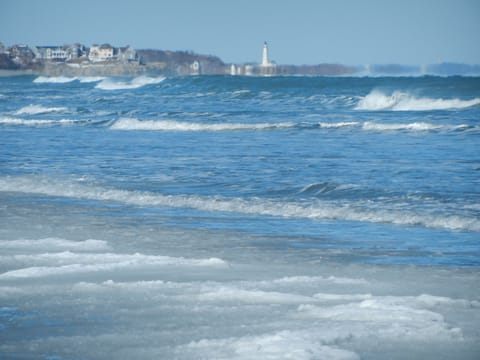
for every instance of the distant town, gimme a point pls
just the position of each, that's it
(107, 60)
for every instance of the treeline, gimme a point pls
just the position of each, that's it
(181, 62)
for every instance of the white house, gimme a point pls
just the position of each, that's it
(51, 53)
(103, 52)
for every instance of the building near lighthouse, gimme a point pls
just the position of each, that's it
(264, 68)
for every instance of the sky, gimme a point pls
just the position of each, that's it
(351, 32)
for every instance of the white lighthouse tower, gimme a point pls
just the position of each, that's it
(265, 61)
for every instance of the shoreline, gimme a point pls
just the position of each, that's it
(85, 70)
(133, 70)
(7, 73)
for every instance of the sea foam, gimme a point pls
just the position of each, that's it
(320, 210)
(54, 244)
(287, 344)
(404, 101)
(65, 263)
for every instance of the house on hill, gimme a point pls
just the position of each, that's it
(126, 54)
(21, 54)
(20, 51)
(99, 53)
(106, 52)
(52, 53)
(59, 53)
(76, 50)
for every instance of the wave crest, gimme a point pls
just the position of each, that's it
(91, 79)
(171, 125)
(320, 210)
(54, 79)
(416, 126)
(133, 124)
(135, 83)
(34, 122)
(67, 79)
(403, 101)
(38, 109)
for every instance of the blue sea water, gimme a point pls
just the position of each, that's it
(239, 217)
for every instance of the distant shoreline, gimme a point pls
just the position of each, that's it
(14, 73)
(6, 73)
(77, 60)
(206, 65)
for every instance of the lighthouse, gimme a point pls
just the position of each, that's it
(265, 61)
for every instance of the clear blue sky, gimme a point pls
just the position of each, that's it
(298, 31)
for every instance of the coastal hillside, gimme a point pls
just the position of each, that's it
(181, 62)
(105, 60)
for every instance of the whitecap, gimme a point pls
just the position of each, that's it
(34, 122)
(54, 79)
(320, 210)
(415, 126)
(38, 109)
(91, 79)
(138, 82)
(170, 125)
(134, 124)
(336, 125)
(404, 101)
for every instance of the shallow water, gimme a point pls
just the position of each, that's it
(239, 218)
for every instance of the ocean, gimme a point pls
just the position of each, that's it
(220, 217)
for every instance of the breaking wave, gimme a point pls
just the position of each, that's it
(319, 210)
(90, 79)
(67, 79)
(38, 109)
(55, 79)
(170, 125)
(135, 83)
(403, 101)
(133, 124)
(416, 126)
(337, 125)
(35, 122)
